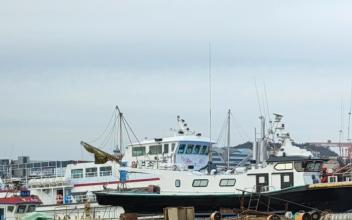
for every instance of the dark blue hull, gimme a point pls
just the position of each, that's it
(335, 199)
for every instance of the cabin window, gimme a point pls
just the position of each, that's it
(287, 179)
(317, 166)
(173, 145)
(166, 148)
(200, 183)
(283, 166)
(261, 180)
(31, 208)
(181, 149)
(10, 208)
(227, 182)
(155, 149)
(312, 166)
(299, 167)
(91, 172)
(308, 166)
(138, 151)
(21, 209)
(76, 173)
(204, 149)
(189, 149)
(196, 149)
(177, 183)
(105, 171)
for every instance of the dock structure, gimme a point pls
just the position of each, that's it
(188, 213)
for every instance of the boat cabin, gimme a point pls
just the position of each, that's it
(179, 152)
(15, 207)
(186, 150)
(279, 173)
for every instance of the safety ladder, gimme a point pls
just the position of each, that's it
(254, 199)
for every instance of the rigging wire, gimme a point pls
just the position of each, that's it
(125, 122)
(221, 131)
(128, 134)
(110, 135)
(135, 136)
(106, 128)
(242, 132)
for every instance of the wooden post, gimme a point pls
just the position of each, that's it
(242, 201)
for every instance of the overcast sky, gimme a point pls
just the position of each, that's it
(64, 65)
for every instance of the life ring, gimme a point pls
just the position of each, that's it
(134, 164)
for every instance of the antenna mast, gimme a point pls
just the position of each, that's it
(340, 130)
(228, 137)
(349, 118)
(210, 104)
(348, 131)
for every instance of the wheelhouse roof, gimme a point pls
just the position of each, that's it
(15, 200)
(291, 158)
(185, 138)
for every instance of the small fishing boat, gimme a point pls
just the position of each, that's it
(16, 205)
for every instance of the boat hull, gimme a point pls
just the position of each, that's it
(335, 199)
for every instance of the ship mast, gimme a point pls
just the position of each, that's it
(120, 138)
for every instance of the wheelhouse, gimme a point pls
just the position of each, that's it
(183, 152)
(15, 207)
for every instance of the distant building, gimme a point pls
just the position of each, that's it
(23, 167)
(239, 156)
(4, 167)
(217, 157)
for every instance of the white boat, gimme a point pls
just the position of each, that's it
(16, 204)
(185, 151)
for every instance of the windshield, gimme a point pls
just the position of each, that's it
(192, 148)
(308, 166)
